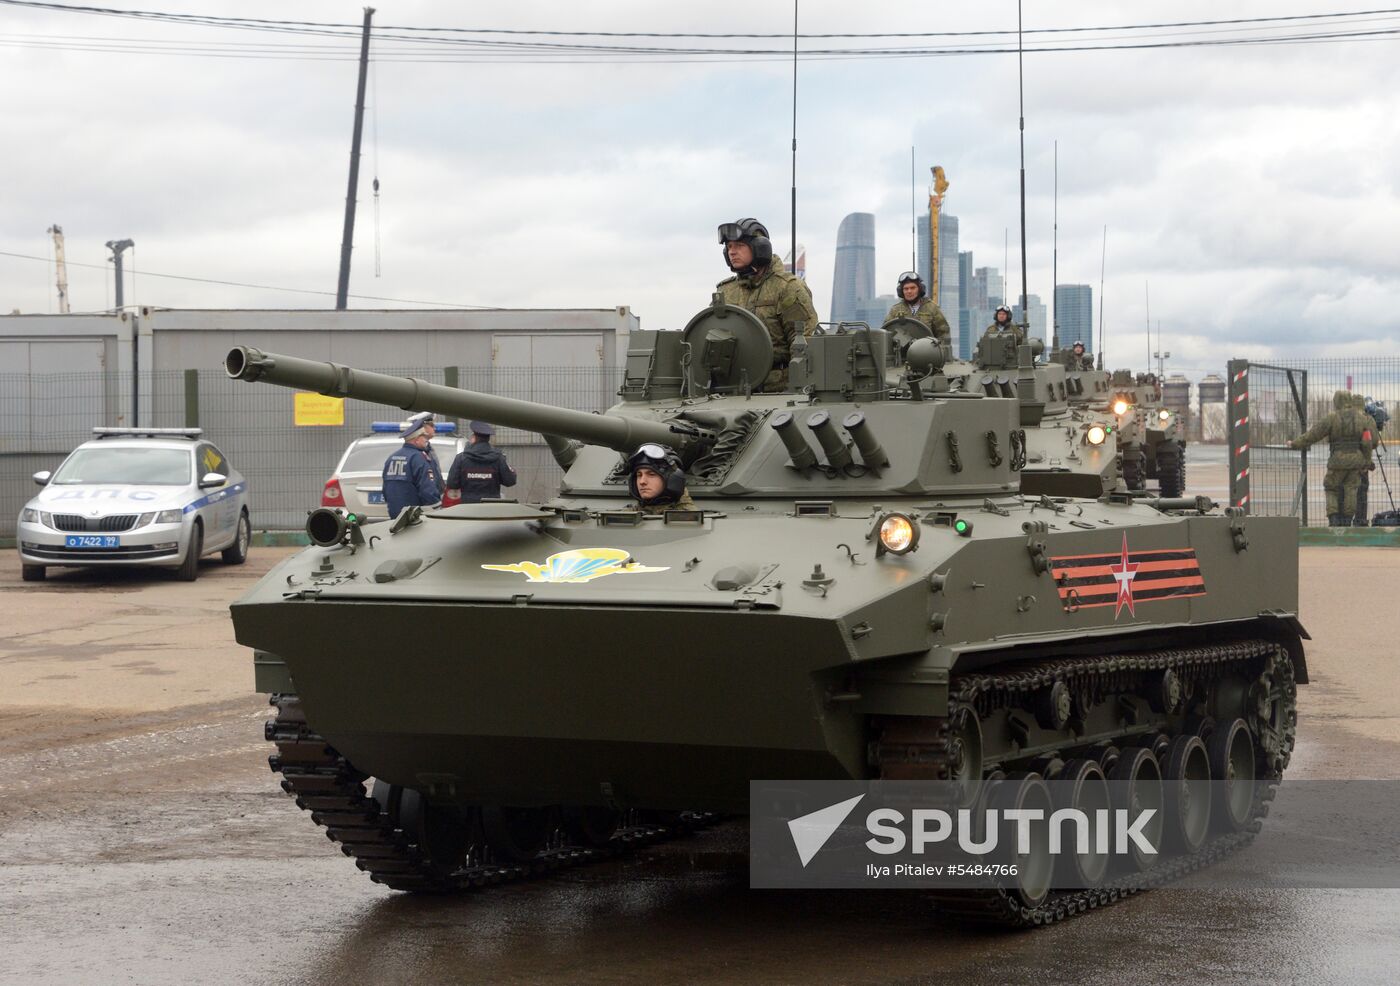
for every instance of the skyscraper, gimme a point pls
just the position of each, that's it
(988, 288)
(1038, 328)
(1074, 310)
(854, 280)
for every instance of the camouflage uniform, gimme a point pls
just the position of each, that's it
(1084, 362)
(1347, 429)
(1368, 449)
(781, 301)
(1008, 327)
(928, 313)
(684, 503)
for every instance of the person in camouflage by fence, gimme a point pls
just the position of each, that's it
(762, 285)
(1347, 429)
(1368, 449)
(916, 305)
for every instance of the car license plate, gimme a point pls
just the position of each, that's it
(376, 498)
(92, 541)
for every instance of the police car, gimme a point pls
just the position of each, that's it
(136, 496)
(357, 485)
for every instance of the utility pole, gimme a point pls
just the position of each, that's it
(347, 239)
(1055, 259)
(61, 266)
(118, 247)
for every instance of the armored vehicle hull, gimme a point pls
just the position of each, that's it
(490, 689)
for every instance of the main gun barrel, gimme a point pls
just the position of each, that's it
(411, 394)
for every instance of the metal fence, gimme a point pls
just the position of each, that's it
(1271, 404)
(44, 416)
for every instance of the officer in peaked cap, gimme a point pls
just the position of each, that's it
(411, 477)
(481, 469)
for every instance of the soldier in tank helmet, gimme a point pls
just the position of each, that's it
(762, 285)
(480, 469)
(1002, 322)
(1348, 429)
(915, 303)
(657, 481)
(1079, 359)
(411, 477)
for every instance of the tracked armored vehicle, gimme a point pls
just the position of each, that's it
(1071, 442)
(1151, 436)
(491, 690)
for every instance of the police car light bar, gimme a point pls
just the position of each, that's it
(148, 432)
(385, 427)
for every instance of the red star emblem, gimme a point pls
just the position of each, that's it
(1124, 573)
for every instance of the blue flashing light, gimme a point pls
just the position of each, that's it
(395, 427)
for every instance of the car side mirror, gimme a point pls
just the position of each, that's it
(42, 477)
(212, 479)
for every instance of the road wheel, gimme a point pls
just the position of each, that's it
(237, 553)
(33, 573)
(516, 835)
(189, 568)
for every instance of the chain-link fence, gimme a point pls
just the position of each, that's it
(44, 416)
(1269, 405)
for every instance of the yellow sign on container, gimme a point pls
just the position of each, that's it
(318, 409)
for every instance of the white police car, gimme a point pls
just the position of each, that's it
(357, 485)
(136, 496)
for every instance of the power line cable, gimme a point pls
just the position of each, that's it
(261, 287)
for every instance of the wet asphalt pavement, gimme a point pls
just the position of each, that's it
(154, 846)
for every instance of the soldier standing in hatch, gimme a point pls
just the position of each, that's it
(1346, 429)
(915, 304)
(480, 469)
(1001, 322)
(410, 477)
(657, 480)
(762, 285)
(1079, 359)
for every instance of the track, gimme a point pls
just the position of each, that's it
(930, 749)
(398, 842)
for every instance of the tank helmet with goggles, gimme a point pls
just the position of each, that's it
(907, 277)
(753, 233)
(665, 463)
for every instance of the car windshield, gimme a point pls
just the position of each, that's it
(370, 458)
(136, 466)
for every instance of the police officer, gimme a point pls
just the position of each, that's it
(1347, 429)
(657, 480)
(762, 285)
(480, 469)
(913, 303)
(411, 476)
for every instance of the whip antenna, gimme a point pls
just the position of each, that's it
(1021, 94)
(794, 134)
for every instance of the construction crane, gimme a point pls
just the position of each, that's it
(935, 207)
(57, 231)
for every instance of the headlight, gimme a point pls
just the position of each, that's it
(899, 534)
(28, 516)
(1096, 434)
(1121, 406)
(1164, 415)
(46, 519)
(170, 516)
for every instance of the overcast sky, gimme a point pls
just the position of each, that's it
(1253, 188)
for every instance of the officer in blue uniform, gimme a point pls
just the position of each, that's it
(411, 474)
(481, 469)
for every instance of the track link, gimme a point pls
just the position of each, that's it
(332, 789)
(927, 748)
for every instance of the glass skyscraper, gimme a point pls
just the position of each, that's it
(1074, 310)
(854, 280)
